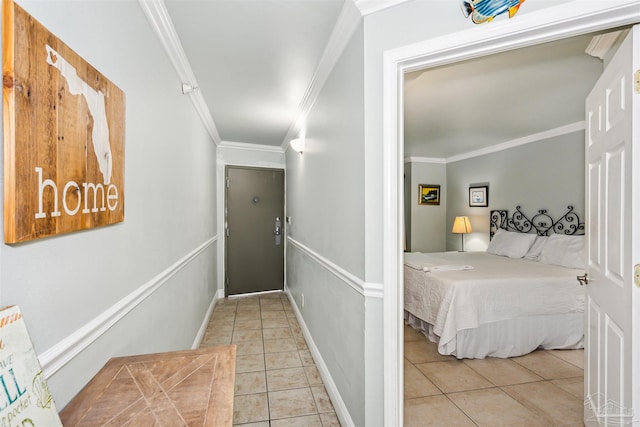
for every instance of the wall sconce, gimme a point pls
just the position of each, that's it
(297, 144)
(461, 226)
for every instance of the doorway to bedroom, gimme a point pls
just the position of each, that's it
(572, 361)
(470, 146)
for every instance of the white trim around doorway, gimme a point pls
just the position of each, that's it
(554, 23)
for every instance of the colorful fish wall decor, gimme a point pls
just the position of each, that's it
(485, 10)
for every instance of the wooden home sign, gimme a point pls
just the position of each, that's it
(63, 126)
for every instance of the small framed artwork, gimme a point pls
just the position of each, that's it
(429, 194)
(479, 196)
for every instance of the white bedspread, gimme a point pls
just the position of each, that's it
(495, 289)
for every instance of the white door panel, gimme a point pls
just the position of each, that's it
(611, 382)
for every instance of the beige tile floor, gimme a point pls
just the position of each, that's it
(543, 388)
(277, 382)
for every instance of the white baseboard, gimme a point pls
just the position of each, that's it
(203, 327)
(338, 404)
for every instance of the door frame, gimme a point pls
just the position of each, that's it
(553, 23)
(240, 154)
(224, 229)
(224, 220)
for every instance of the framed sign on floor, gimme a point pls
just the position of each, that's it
(25, 396)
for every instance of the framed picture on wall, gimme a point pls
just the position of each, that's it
(429, 194)
(479, 196)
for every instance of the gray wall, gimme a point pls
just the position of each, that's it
(548, 174)
(428, 222)
(325, 200)
(408, 185)
(69, 282)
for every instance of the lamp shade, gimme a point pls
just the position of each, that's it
(461, 225)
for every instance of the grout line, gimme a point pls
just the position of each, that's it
(297, 351)
(530, 406)
(566, 361)
(460, 409)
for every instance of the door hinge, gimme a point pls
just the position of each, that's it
(636, 81)
(228, 182)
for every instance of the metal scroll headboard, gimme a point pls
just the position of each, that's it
(541, 223)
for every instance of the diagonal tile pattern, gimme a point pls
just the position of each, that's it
(543, 388)
(277, 382)
(172, 388)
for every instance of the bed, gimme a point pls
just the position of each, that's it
(519, 295)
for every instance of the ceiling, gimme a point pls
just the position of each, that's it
(255, 63)
(254, 59)
(470, 105)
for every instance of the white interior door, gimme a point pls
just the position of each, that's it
(612, 172)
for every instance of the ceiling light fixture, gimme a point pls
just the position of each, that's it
(298, 144)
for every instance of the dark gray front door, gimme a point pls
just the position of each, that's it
(255, 230)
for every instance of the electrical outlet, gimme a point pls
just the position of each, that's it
(302, 300)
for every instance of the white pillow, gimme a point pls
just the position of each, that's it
(536, 249)
(510, 243)
(565, 251)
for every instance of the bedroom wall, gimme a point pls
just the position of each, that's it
(408, 184)
(143, 285)
(428, 222)
(547, 174)
(325, 241)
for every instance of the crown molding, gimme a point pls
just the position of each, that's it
(601, 44)
(345, 26)
(158, 16)
(432, 160)
(536, 137)
(367, 7)
(251, 147)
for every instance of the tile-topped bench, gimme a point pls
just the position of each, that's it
(179, 388)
